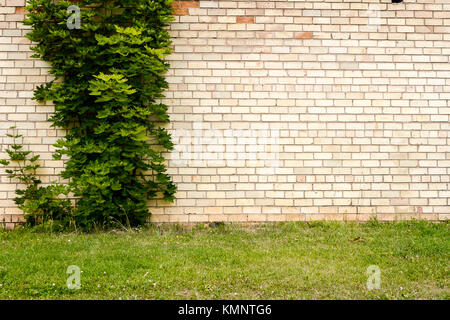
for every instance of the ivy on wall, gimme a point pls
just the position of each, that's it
(108, 67)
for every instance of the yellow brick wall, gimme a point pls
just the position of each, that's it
(282, 109)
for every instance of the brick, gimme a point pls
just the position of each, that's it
(180, 11)
(245, 19)
(20, 10)
(188, 4)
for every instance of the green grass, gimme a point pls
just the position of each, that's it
(281, 261)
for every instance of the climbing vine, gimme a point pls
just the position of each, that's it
(41, 204)
(108, 65)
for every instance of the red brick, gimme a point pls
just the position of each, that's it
(180, 11)
(303, 35)
(189, 4)
(245, 19)
(20, 10)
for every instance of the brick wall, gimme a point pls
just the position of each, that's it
(282, 110)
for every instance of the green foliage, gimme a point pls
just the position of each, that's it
(109, 78)
(40, 204)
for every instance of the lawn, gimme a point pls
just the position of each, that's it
(319, 260)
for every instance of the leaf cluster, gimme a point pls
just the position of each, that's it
(107, 90)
